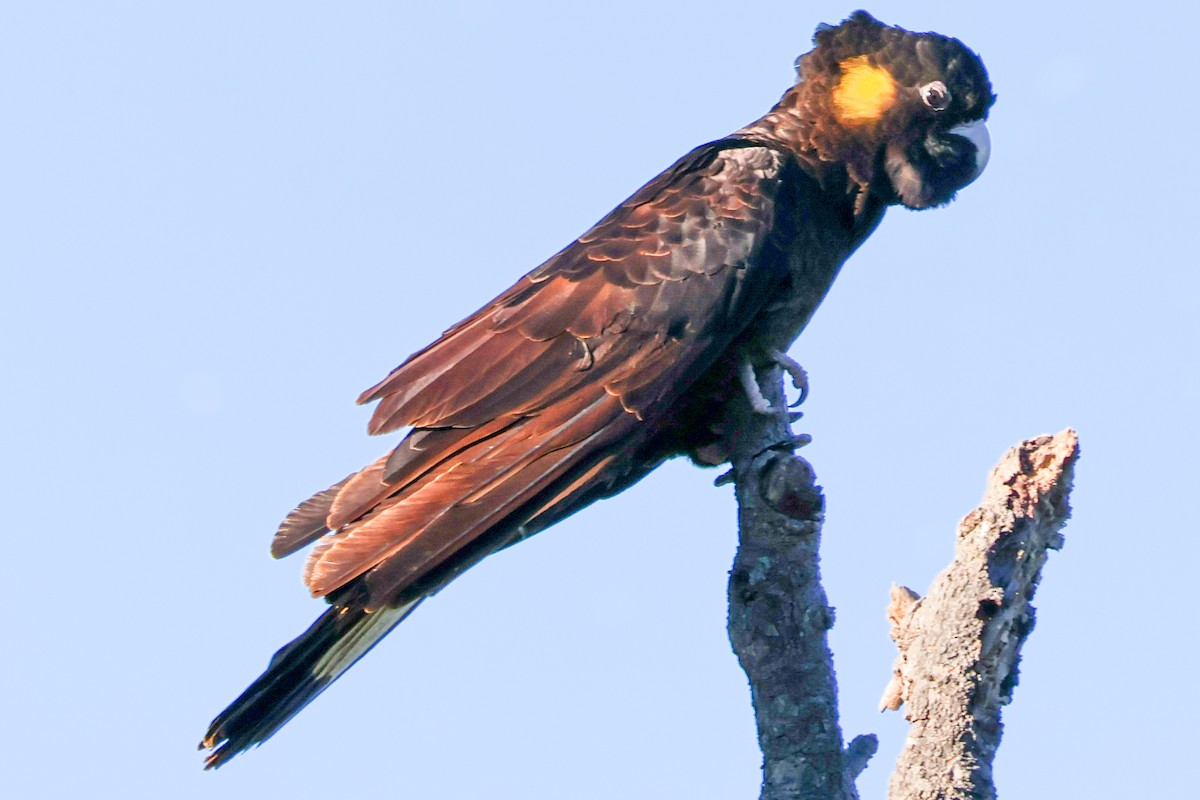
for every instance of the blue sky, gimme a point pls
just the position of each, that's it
(221, 221)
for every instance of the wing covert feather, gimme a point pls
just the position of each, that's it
(704, 216)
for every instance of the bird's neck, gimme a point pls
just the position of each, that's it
(799, 123)
(786, 123)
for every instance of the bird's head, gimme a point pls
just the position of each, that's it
(903, 112)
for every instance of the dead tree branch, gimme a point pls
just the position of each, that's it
(959, 646)
(778, 613)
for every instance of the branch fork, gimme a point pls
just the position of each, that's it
(959, 646)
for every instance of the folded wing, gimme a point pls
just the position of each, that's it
(544, 399)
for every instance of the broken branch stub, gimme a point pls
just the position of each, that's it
(960, 644)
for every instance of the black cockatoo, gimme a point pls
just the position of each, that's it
(616, 353)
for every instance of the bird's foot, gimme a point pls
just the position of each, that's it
(792, 368)
(749, 381)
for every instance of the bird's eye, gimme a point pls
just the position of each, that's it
(936, 95)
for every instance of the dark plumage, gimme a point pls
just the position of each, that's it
(612, 356)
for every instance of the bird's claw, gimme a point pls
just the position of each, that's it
(797, 372)
(788, 444)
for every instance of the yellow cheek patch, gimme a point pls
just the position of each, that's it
(864, 93)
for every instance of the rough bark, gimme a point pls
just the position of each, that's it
(960, 645)
(778, 613)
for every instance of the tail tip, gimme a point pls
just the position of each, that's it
(219, 745)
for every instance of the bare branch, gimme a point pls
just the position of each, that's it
(959, 646)
(778, 612)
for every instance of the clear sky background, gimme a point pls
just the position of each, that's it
(220, 221)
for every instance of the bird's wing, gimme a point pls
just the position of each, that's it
(541, 397)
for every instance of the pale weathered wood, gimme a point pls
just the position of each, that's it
(959, 646)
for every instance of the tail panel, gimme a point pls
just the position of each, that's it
(298, 672)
